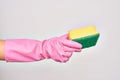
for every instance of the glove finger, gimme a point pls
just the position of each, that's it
(63, 56)
(67, 56)
(69, 49)
(71, 44)
(65, 41)
(58, 53)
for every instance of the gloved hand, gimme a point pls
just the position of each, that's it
(59, 49)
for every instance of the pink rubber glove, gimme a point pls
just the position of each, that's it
(59, 49)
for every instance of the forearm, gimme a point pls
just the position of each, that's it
(2, 45)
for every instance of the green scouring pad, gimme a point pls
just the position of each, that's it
(87, 36)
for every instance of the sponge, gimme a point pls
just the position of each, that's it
(87, 36)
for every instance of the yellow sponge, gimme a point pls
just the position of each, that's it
(87, 36)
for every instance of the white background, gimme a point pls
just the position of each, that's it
(43, 19)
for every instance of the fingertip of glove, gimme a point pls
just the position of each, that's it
(78, 45)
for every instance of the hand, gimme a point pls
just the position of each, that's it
(60, 48)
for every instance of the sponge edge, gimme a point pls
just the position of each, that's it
(87, 36)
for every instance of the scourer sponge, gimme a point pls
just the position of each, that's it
(87, 36)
